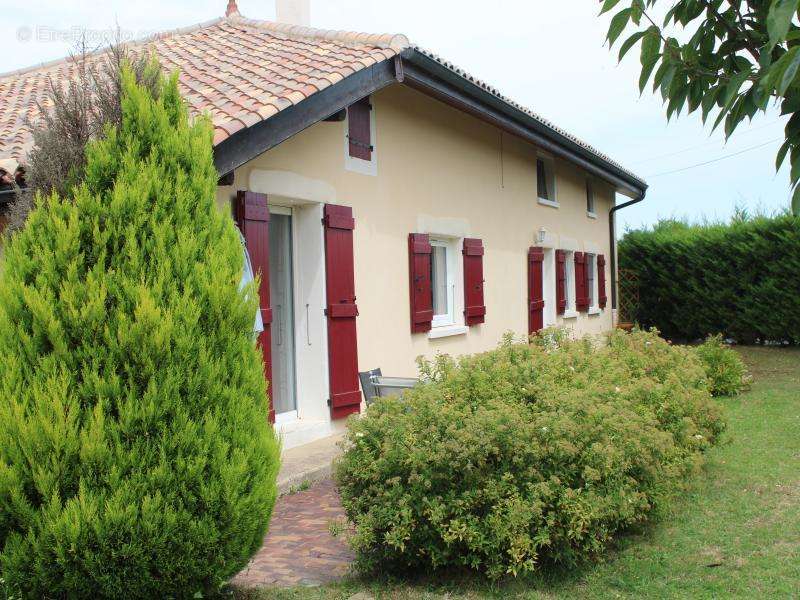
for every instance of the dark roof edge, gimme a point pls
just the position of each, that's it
(424, 71)
(419, 70)
(246, 144)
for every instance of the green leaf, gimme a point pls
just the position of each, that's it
(666, 81)
(647, 70)
(708, 102)
(629, 43)
(695, 95)
(779, 19)
(670, 14)
(790, 105)
(735, 117)
(651, 45)
(720, 117)
(732, 89)
(789, 74)
(796, 202)
(637, 10)
(795, 172)
(618, 24)
(782, 155)
(608, 5)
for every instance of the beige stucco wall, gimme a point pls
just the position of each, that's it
(436, 167)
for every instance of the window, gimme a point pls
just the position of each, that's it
(545, 181)
(549, 287)
(569, 284)
(591, 279)
(590, 199)
(359, 139)
(443, 268)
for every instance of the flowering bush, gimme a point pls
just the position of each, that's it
(529, 453)
(727, 374)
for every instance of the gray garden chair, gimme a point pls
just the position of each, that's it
(375, 385)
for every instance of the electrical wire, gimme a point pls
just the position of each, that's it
(714, 160)
(707, 143)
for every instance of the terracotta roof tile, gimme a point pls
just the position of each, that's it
(239, 71)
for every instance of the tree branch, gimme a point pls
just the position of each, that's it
(736, 33)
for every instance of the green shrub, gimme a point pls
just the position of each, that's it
(136, 459)
(526, 454)
(726, 372)
(740, 279)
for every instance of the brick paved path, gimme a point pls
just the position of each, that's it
(299, 549)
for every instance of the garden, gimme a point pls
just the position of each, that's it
(135, 457)
(732, 532)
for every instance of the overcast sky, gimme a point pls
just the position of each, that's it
(546, 55)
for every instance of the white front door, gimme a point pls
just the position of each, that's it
(281, 284)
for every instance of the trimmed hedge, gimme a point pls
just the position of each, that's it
(740, 279)
(136, 460)
(526, 454)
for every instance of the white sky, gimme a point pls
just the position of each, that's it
(548, 55)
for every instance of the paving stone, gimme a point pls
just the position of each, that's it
(299, 549)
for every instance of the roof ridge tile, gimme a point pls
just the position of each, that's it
(394, 41)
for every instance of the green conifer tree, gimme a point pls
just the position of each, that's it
(136, 460)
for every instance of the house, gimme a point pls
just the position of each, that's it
(395, 205)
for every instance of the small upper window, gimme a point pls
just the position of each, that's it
(545, 181)
(359, 132)
(443, 256)
(589, 198)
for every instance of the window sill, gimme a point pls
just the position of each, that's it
(594, 311)
(361, 166)
(447, 331)
(570, 314)
(591, 215)
(551, 203)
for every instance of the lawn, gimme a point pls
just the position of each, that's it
(736, 533)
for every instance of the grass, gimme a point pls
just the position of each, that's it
(735, 534)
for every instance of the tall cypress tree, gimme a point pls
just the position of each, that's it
(136, 459)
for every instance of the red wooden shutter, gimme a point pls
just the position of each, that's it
(342, 311)
(252, 216)
(358, 134)
(601, 281)
(535, 290)
(581, 298)
(419, 282)
(474, 306)
(561, 281)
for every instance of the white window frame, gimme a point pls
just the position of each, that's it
(550, 174)
(570, 312)
(591, 211)
(451, 250)
(549, 288)
(591, 263)
(359, 165)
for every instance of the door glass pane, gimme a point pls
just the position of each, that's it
(282, 386)
(439, 280)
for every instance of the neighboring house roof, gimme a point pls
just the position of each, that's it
(243, 72)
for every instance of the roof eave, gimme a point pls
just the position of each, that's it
(419, 71)
(248, 143)
(422, 71)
